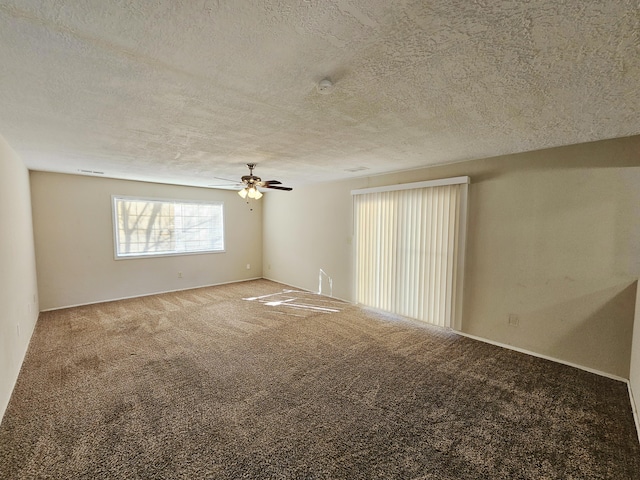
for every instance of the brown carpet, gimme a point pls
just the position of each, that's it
(206, 384)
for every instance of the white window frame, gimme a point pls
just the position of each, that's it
(126, 256)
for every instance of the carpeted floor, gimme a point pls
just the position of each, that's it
(216, 383)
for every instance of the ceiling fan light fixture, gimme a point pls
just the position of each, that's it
(251, 184)
(251, 192)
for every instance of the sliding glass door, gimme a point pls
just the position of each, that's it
(409, 249)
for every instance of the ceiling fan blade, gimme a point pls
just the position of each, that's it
(226, 179)
(275, 187)
(271, 182)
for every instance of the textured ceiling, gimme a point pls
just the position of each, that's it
(182, 91)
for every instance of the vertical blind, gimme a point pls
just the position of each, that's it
(409, 242)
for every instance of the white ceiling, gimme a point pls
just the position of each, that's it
(182, 91)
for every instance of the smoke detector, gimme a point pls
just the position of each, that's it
(325, 86)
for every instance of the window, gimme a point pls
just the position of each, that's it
(150, 227)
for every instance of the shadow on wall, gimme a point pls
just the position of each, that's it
(615, 153)
(594, 330)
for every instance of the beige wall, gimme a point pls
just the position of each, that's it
(306, 230)
(18, 286)
(554, 237)
(74, 242)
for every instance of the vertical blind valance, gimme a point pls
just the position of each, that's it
(409, 242)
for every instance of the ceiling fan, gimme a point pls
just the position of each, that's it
(251, 183)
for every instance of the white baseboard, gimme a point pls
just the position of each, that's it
(307, 290)
(634, 409)
(182, 290)
(150, 294)
(546, 357)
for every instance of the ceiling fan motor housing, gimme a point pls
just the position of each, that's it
(251, 181)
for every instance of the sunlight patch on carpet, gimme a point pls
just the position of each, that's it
(299, 300)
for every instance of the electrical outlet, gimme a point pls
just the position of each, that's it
(514, 321)
(179, 274)
(18, 329)
(248, 266)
